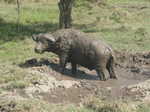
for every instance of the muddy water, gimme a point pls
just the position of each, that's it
(90, 85)
(130, 69)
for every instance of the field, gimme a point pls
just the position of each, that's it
(39, 87)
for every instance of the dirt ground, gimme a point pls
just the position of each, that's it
(132, 69)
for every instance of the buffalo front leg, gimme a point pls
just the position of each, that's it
(62, 62)
(74, 68)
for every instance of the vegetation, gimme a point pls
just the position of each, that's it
(124, 24)
(35, 105)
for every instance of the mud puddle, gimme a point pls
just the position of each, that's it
(131, 69)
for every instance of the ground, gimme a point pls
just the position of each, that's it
(48, 85)
(30, 82)
(55, 87)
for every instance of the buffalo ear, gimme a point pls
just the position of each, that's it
(50, 38)
(34, 37)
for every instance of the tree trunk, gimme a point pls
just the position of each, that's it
(18, 11)
(65, 8)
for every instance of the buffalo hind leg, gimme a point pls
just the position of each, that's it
(102, 73)
(110, 68)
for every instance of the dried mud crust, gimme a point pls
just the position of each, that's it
(7, 107)
(132, 69)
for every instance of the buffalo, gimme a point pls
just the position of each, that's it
(78, 48)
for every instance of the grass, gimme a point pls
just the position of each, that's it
(124, 24)
(32, 20)
(143, 108)
(37, 105)
(117, 22)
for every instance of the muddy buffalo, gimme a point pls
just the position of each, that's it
(79, 49)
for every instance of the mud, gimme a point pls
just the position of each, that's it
(131, 69)
(7, 107)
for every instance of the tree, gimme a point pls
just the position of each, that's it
(65, 8)
(18, 10)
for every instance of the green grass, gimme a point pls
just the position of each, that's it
(122, 23)
(143, 108)
(34, 18)
(117, 24)
(37, 105)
